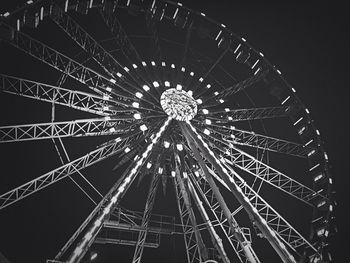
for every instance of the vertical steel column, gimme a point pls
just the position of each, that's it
(110, 201)
(217, 242)
(186, 210)
(145, 219)
(253, 214)
(236, 230)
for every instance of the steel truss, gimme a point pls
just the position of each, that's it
(224, 117)
(44, 92)
(63, 171)
(247, 138)
(145, 219)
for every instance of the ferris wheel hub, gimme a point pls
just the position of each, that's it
(178, 104)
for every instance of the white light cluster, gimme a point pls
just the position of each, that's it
(178, 104)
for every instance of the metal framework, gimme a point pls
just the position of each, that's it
(219, 157)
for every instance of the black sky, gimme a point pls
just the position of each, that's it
(308, 42)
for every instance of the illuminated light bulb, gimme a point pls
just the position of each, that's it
(207, 121)
(166, 144)
(192, 73)
(232, 136)
(113, 81)
(135, 104)
(172, 66)
(221, 101)
(106, 97)
(190, 93)
(143, 127)
(167, 84)
(183, 69)
(155, 84)
(119, 74)
(138, 94)
(160, 170)
(179, 87)
(153, 63)
(199, 101)
(145, 87)
(201, 79)
(149, 165)
(179, 147)
(172, 173)
(227, 109)
(144, 63)
(126, 69)
(206, 131)
(112, 129)
(134, 66)
(127, 149)
(163, 63)
(208, 86)
(105, 108)
(230, 118)
(232, 127)
(118, 139)
(137, 116)
(216, 93)
(205, 111)
(185, 175)
(196, 173)
(109, 89)
(107, 118)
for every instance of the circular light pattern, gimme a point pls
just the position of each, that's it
(178, 104)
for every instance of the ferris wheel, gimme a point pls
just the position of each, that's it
(179, 103)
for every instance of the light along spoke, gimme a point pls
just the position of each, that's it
(238, 158)
(83, 127)
(44, 92)
(61, 172)
(249, 114)
(252, 139)
(112, 199)
(66, 65)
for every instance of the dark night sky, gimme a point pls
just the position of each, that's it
(308, 42)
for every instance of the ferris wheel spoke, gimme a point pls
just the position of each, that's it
(152, 29)
(60, 173)
(122, 39)
(213, 198)
(229, 116)
(112, 199)
(240, 86)
(208, 71)
(195, 248)
(27, 132)
(44, 92)
(238, 158)
(146, 218)
(236, 136)
(66, 65)
(243, 193)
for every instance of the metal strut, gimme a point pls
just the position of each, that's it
(254, 216)
(195, 248)
(146, 217)
(233, 225)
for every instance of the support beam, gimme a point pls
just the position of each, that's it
(145, 219)
(38, 131)
(73, 99)
(254, 216)
(227, 117)
(252, 139)
(66, 65)
(110, 201)
(60, 173)
(216, 197)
